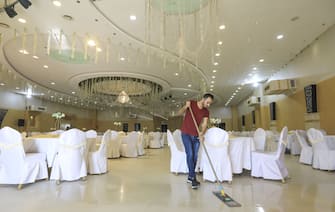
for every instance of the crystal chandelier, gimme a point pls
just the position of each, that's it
(123, 97)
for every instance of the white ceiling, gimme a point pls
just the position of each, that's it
(157, 51)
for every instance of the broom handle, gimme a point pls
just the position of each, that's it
(204, 146)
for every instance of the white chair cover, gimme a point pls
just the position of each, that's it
(129, 145)
(155, 141)
(97, 160)
(178, 156)
(114, 145)
(140, 146)
(294, 145)
(271, 165)
(323, 153)
(216, 142)
(70, 162)
(260, 139)
(56, 132)
(163, 139)
(16, 167)
(306, 155)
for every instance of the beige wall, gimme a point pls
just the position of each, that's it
(326, 106)
(291, 110)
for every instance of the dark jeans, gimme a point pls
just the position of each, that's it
(191, 144)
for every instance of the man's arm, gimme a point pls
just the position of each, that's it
(203, 128)
(184, 108)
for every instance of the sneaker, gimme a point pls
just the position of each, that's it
(189, 180)
(195, 184)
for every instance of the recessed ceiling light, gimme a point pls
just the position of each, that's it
(254, 68)
(212, 82)
(189, 85)
(73, 92)
(213, 77)
(17, 88)
(2, 84)
(222, 27)
(173, 100)
(99, 49)
(57, 3)
(132, 17)
(211, 89)
(239, 88)
(68, 17)
(51, 96)
(220, 43)
(216, 63)
(217, 54)
(45, 66)
(261, 60)
(35, 57)
(211, 86)
(214, 71)
(42, 94)
(53, 83)
(91, 43)
(122, 58)
(23, 51)
(279, 37)
(61, 98)
(185, 94)
(21, 20)
(176, 74)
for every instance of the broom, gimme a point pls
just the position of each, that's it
(220, 194)
(209, 159)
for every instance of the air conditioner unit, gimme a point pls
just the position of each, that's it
(254, 101)
(280, 87)
(36, 108)
(132, 115)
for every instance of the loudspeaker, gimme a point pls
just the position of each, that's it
(25, 3)
(125, 127)
(273, 111)
(164, 128)
(20, 122)
(253, 117)
(10, 11)
(311, 99)
(243, 120)
(137, 127)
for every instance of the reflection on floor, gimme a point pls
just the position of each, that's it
(145, 184)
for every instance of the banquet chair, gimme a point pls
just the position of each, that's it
(70, 162)
(178, 156)
(260, 139)
(97, 160)
(155, 141)
(306, 155)
(16, 167)
(323, 151)
(140, 146)
(271, 165)
(114, 145)
(216, 142)
(129, 145)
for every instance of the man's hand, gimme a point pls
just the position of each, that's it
(188, 104)
(201, 137)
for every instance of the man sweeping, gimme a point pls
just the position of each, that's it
(190, 135)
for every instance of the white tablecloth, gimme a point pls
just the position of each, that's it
(240, 153)
(50, 146)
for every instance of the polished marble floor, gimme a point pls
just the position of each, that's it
(145, 184)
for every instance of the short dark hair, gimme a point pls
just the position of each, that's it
(208, 95)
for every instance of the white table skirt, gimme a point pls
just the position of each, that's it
(240, 149)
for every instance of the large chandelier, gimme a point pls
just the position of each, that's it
(120, 90)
